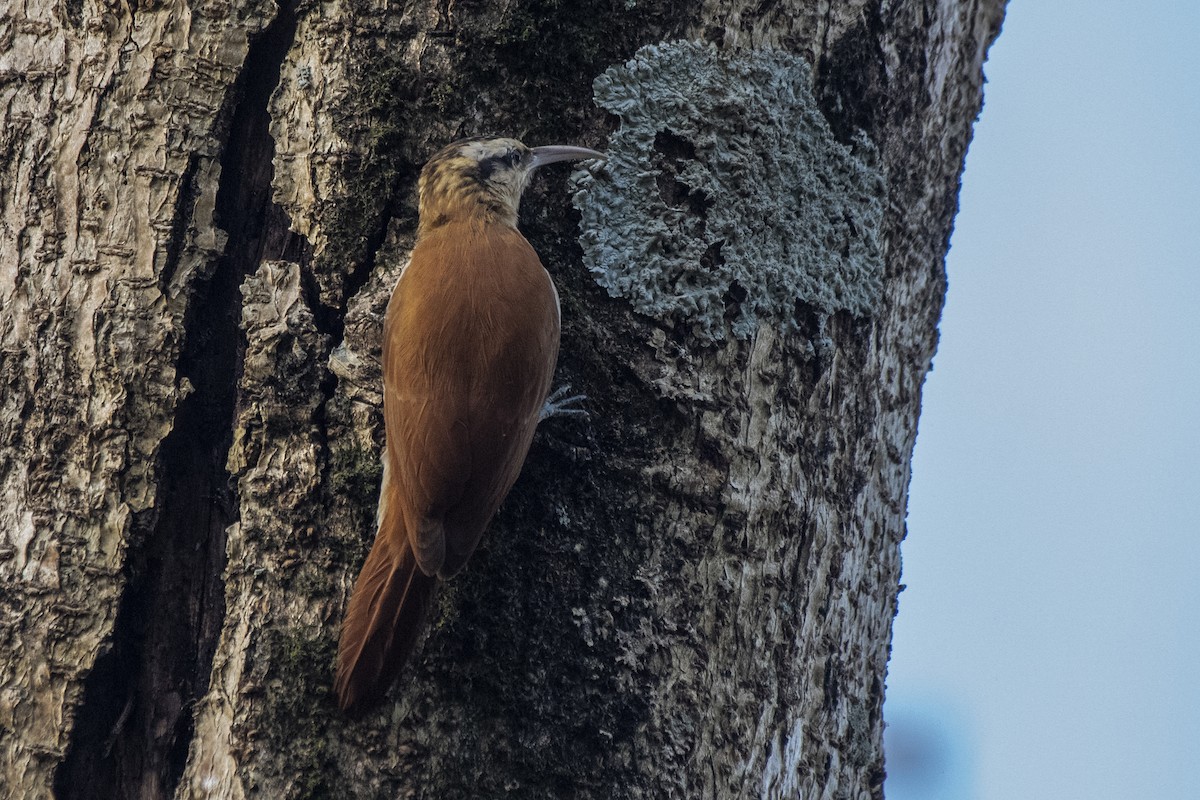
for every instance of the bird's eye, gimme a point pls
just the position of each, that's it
(512, 157)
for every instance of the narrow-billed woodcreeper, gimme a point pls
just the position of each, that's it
(469, 346)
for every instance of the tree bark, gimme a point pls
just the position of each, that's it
(203, 210)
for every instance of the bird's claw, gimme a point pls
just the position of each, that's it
(559, 405)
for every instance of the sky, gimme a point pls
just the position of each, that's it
(1048, 641)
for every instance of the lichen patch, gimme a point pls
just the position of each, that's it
(726, 201)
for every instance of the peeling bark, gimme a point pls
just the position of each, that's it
(203, 209)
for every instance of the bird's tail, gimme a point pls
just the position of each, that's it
(383, 623)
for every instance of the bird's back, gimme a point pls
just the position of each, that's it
(471, 339)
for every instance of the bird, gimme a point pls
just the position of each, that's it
(470, 342)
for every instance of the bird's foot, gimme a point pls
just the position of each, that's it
(559, 405)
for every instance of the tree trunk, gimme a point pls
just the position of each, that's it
(203, 210)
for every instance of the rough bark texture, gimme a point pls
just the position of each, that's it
(203, 209)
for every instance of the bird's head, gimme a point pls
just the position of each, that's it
(484, 178)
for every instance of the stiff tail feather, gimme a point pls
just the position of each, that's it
(382, 626)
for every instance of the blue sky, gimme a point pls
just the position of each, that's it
(1048, 642)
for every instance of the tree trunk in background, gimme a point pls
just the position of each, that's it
(203, 210)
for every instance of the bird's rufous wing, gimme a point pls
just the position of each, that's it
(470, 342)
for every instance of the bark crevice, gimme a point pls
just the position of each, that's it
(135, 724)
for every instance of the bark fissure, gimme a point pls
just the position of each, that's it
(184, 209)
(135, 723)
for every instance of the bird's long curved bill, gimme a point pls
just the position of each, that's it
(553, 153)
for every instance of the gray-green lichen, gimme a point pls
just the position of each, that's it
(725, 200)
